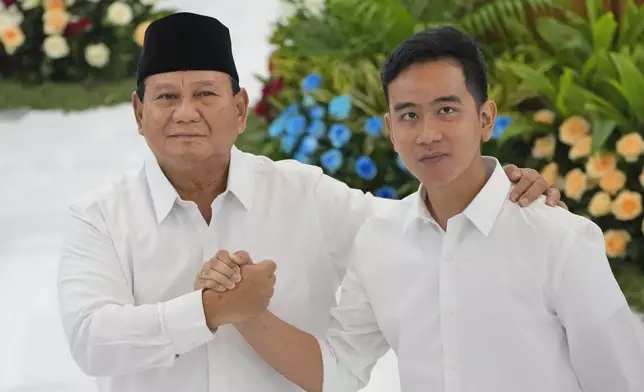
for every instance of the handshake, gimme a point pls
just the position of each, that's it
(234, 289)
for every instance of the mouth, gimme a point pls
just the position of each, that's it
(432, 157)
(185, 135)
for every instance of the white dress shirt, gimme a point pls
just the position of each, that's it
(134, 249)
(507, 299)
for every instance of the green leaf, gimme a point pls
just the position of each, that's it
(562, 37)
(565, 83)
(534, 79)
(520, 126)
(632, 81)
(604, 32)
(602, 129)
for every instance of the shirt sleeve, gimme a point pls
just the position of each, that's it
(108, 333)
(354, 341)
(605, 345)
(342, 211)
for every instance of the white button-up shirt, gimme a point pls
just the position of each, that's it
(134, 249)
(507, 299)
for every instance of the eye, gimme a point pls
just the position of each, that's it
(206, 93)
(446, 110)
(167, 96)
(408, 116)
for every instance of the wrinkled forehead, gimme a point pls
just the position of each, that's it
(180, 79)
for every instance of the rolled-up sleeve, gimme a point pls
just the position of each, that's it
(354, 341)
(605, 343)
(107, 333)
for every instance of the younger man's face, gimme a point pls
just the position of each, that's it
(434, 123)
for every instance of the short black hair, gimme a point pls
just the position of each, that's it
(140, 89)
(445, 42)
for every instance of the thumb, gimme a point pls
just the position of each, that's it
(241, 257)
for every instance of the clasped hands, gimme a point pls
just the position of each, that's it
(234, 288)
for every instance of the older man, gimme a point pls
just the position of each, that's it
(126, 281)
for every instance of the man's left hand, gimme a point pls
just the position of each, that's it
(530, 185)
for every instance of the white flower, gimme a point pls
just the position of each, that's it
(148, 2)
(119, 14)
(56, 47)
(70, 2)
(97, 55)
(29, 4)
(10, 17)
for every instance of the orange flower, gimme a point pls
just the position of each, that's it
(12, 38)
(55, 21)
(544, 116)
(600, 164)
(54, 5)
(544, 147)
(573, 129)
(139, 32)
(550, 173)
(600, 204)
(581, 148)
(575, 184)
(616, 242)
(627, 205)
(613, 181)
(630, 146)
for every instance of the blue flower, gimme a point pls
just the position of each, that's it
(308, 101)
(288, 143)
(500, 124)
(331, 160)
(373, 126)
(311, 82)
(365, 168)
(309, 145)
(291, 110)
(277, 127)
(317, 129)
(296, 125)
(386, 192)
(339, 135)
(317, 112)
(401, 164)
(340, 107)
(303, 157)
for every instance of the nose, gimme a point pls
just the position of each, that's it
(431, 133)
(186, 111)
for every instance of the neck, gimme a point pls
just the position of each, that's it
(451, 199)
(199, 182)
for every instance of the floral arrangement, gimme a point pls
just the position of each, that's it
(72, 41)
(346, 142)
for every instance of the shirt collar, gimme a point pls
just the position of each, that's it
(484, 208)
(164, 195)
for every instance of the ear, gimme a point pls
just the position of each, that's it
(388, 124)
(137, 106)
(487, 116)
(241, 104)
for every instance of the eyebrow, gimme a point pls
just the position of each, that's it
(163, 85)
(447, 98)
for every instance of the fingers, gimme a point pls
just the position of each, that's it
(553, 197)
(513, 172)
(562, 205)
(529, 188)
(226, 258)
(209, 284)
(241, 257)
(268, 267)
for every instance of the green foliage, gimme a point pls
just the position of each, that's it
(67, 97)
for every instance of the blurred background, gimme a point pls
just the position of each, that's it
(568, 77)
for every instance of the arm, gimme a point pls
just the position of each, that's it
(108, 334)
(603, 339)
(342, 362)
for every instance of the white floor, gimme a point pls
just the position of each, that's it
(46, 160)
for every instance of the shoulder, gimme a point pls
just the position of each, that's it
(389, 219)
(108, 198)
(555, 223)
(288, 171)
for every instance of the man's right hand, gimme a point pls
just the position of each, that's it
(247, 300)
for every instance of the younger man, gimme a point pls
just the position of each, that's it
(472, 292)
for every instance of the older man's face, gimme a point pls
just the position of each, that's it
(190, 117)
